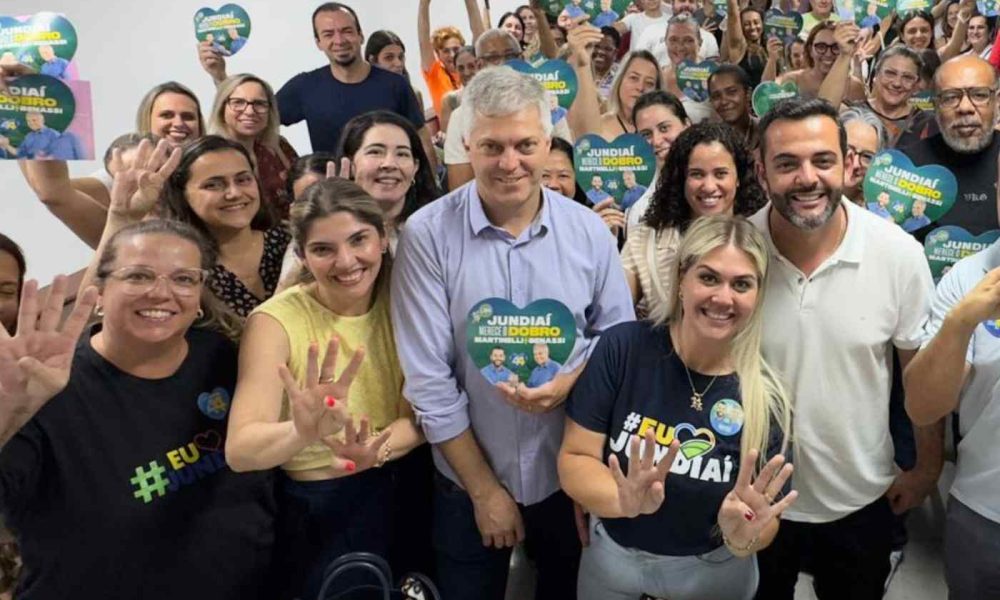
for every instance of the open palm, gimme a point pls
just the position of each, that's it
(137, 186)
(642, 491)
(750, 506)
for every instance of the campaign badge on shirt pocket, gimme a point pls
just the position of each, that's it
(993, 327)
(214, 404)
(726, 416)
(520, 345)
(226, 29)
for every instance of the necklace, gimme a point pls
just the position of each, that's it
(696, 396)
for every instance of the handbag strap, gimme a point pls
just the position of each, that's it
(358, 561)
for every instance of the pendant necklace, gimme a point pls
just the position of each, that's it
(696, 396)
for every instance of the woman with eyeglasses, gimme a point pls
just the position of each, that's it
(246, 111)
(118, 484)
(822, 49)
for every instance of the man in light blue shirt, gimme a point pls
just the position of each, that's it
(495, 445)
(633, 191)
(547, 368)
(496, 372)
(918, 217)
(236, 42)
(38, 141)
(51, 64)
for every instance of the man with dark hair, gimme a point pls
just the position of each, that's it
(330, 96)
(845, 288)
(965, 103)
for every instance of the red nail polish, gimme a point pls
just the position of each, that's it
(350, 466)
(748, 515)
(330, 401)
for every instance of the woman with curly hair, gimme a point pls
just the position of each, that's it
(709, 171)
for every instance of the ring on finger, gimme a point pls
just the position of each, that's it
(327, 380)
(769, 498)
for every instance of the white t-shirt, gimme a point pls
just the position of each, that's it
(637, 23)
(831, 335)
(654, 40)
(454, 146)
(977, 472)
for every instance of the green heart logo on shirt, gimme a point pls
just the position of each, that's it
(769, 93)
(947, 245)
(700, 442)
(692, 78)
(913, 197)
(556, 76)
(622, 169)
(44, 43)
(601, 12)
(781, 25)
(520, 345)
(227, 29)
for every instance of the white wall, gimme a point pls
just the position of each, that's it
(128, 46)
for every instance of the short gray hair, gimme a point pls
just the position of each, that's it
(857, 113)
(683, 19)
(492, 34)
(501, 91)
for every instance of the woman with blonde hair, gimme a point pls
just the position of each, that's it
(689, 395)
(245, 111)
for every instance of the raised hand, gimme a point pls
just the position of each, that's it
(775, 49)
(612, 216)
(35, 363)
(982, 303)
(642, 491)
(581, 40)
(137, 186)
(211, 61)
(343, 173)
(319, 406)
(360, 450)
(751, 506)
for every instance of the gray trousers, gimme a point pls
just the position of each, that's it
(971, 554)
(610, 572)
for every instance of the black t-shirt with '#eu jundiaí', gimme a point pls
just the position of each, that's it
(118, 488)
(635, 381)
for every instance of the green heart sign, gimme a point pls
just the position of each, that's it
(922, 100)
(947, 245)
(43, 43)
(913, 197)
(556, 76)
(520, 345)
(227, 29)
(692, 78)
(869, 13)
(769, 93)
(622, 169)
(601, 12)
(782, 25)
(34, 111)
(988, 8)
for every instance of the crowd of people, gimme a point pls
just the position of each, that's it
(269, 362)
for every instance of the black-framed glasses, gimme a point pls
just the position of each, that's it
(240, 104)
(139, 280)
(822, 48)
(951, 98)
(864, 157)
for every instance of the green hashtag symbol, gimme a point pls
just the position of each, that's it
(149, 481)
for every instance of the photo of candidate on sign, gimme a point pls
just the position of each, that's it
(514, 345)
(42, 117)
(43, 43)
(622, 169)
(910, 196)
(226, 29)
(947, 245)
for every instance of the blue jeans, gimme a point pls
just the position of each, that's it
(467, 570)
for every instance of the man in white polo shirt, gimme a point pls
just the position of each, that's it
(844, 288)
(958, 368)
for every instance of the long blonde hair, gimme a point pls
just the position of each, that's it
(217, 118)
(763, 394)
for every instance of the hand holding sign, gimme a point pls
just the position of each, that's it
(225, 31)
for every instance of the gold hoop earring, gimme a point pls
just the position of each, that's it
(200, 314)
(99, 311)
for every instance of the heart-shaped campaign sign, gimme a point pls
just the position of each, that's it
(913, 197)
(214, 404)
(769, 93)
(947, 245)
(559, 81)
(781, 25)
(692, 78)
(227, 29)
(869, 13)
(43, 43)
(622, 169)
(34, 111)
(602, 12)
(988, 8)
(922, 100)
(520, 345)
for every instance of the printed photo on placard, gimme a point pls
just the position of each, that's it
(988, 8)
(692, 78)
(910, 196)
(42, 117)
(869, 13)
(782, 25)
(43, 43)
(226, 29)
(601, 12)
(622, 169)
(905, 6)
(922, 100)
(947, 245)
(769, 93)
(520, 345)
(559, 80)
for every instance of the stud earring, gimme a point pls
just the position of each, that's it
(99, 311)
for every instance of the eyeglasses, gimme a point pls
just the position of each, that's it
(822, 48)
(979, 96)
(239, 105)
(137, 281)
(496, 59)
(907, 79)
(864, 157)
